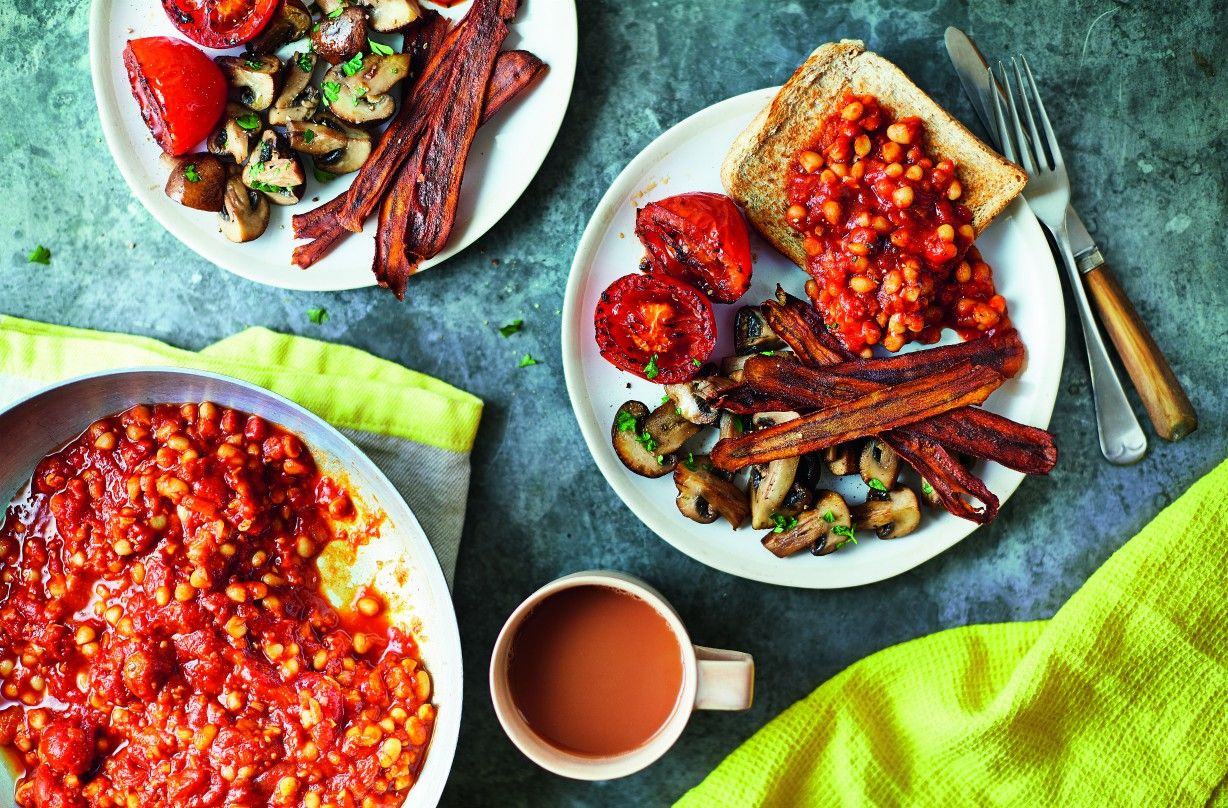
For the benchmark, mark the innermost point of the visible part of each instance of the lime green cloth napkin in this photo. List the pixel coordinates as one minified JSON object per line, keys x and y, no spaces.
{"x":1120,"y":699}
{"x":417,"y":429}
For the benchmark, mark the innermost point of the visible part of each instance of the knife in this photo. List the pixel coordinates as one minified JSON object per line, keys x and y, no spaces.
{"x":1170,"y":410}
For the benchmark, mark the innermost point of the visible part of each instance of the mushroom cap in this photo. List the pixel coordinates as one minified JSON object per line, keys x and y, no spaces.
{"x":253,"y":79}
{"x":297,"y":100}
{"x":635,"y":446}
{"x":890,"y":518}
{"x":813,"y":529}
{"x":245,"y":213}
{"x":392,"y":15}
{"x":197,"y":181}
{"x":230,"y":141}
{"x":696,"y":478}
{"x":290,"y":23}
{"x":879,"y":462}
{"x":338,"y":39}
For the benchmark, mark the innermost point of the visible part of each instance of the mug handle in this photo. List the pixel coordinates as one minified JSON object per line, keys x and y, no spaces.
{"x":726,"y":679}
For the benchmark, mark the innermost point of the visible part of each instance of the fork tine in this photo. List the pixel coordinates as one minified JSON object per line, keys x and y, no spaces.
{"x":1025,"y":153}
{"x":1044,"y":116}
{"x":1024,"y":101}
{"x":1004,"y":134}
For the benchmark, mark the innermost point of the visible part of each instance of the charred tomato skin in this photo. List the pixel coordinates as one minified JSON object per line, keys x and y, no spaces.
{"x":639,"y":317}
{"x":699,"y":238}
{"x":181,"y":92}
{"x":220,"y":23}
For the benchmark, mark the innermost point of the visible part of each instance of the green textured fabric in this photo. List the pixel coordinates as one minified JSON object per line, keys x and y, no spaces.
{"x":1120,"y":699}
{"x":345,"y":386}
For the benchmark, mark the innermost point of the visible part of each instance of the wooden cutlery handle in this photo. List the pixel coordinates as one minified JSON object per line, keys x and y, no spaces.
{"x":1171,"y":412}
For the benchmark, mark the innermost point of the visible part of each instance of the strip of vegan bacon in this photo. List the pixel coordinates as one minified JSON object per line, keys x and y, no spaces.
{"x":951,"y":481}
{"x":968,"y":430}
{"x":515,"y":71}
{"x":871,"y":414}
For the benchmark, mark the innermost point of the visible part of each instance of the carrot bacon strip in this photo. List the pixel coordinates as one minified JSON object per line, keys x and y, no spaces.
{"x":871,"y":414}
{"x":951,"y":481}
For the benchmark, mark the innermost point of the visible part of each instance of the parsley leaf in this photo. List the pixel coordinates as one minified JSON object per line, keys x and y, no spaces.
{"x":336,"y":12}
{"x":190,"y":173}
{"x":665,"y":398}
{"x":331,"y":90}
{"x":309,"y":135}
{"x":783,"y":522}
{"x":767,"y":353}
{"x":646,"y":439}
{"x":690,"y":461}
{"x":660,"y":460}
{"x":249,"y":121}
{"x":39,"y":255}
{"x":318,"y":316}
{"x":927,"y":489}
{"x":625,"y":422}
{"x":304,"y":61}
{"x":353,"y":65}
{"x":254,"y":64}
{"x":677,"y":411}
{"x":527,"y":360}
{"x":829,"y":517}
{"x":846,"y":532}
{"x":697,"y":363}
{"x":379,"y":48}
{"x":268,"y":189}
{"x":322,"y":176}
{"x":650,"y":370}
{"x":877,"y":485}
{"x":511,"y":328}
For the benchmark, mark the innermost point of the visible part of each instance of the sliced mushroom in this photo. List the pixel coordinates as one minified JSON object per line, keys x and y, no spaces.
{"x":245,"y":213}
{"x":815,"y":528}
{"x":340,"y":38}
{"x":361,"y":98}
{"x":197,"y":181}
{"x":297,"y":100}
{"x":252,"y":79}
{"x":732,"y":366}
{"x":694,"y":398}
{"x":893,"y":517}
{"x":770,"y":482}
{"x":337,"y":148}
{"x":392,"y":15}
{"x":274,"y":170}
{"x":730,"y":425}
{"x":841,"y":459}
{"x":810,"y":470}
{"x":635,"y":445}
{"x":928,"y":495}
{"x":669,"y":428}
{"x":290,"y":23}
{"x":752,"y":334}
{"x":798,"y":499}
{"x":879,"y":463}
{"x":233,"y":138}
{"x":702,"y":491}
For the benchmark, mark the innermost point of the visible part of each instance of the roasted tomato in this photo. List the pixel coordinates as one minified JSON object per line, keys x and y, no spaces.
{"x":699,"y":238}
{"x":181,"y":92}
{"x":656,"y":327}
{"x":220,"y":23}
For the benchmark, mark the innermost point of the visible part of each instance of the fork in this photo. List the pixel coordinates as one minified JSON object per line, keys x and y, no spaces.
{"x":1122,"y":440}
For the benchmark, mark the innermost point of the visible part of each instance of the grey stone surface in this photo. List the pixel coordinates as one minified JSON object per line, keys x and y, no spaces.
{"x":1143,"y":127}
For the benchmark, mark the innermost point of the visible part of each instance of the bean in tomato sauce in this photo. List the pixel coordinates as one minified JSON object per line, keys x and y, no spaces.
{"x":164,"y":639}
{"x":887,"y":238}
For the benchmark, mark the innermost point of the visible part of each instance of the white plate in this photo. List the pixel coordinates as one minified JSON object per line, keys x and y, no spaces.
{"x":505,"y":156}
{"x":687,"y":158}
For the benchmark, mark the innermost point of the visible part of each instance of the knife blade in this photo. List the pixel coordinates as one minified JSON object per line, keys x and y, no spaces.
{"x":970,"y":65}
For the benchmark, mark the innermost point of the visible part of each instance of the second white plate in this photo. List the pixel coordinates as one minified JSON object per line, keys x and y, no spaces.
{"x":687,"y":158}
{"x":505,"y":156}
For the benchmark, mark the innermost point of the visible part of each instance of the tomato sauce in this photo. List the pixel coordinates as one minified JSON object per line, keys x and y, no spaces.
{"x":888,"y":241}
{"x":164,"y":639}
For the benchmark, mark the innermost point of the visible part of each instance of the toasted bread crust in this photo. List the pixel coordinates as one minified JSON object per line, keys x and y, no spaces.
{"x":756,"y":168}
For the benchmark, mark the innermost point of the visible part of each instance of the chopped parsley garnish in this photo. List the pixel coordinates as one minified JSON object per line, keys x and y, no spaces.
{"x":660,"y":460}
{"x":690,"y":461}
{"x":697,"y":363}
{"x":360,"y":91}
{"x":336,"y":12}
{"x":249,"y":121}
{"x":331,"y":90}
{"x":647,"y":441}
{"x":738,"y":425}
{"x":309,"y":135}
{"x":783,"y":522}
{"x":190,"y":173}
{"x":379,"y":48}
{"x":254,"y":64}
{"x":304,"y":62}
{"x":318,"y":316}
{"x":651,"y":370}
{"x":678,"y":411}
{"x":846,"y":532}
{"x":876,"y":485}
{"x":39,"y":255}
{"x":526,"y":361}
{"x":269,"y":189}
{"x":322,"y":176}
{"x":665,"y":398}
{"x":767,"y":353}
{"x":829,"y":517}
{"x":625,"y":422}
{"x":353,"y":65}
{"x":927,"y":489}
{"x":511,"y":328}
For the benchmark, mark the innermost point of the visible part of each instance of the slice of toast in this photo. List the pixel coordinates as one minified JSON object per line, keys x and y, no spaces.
{"x":755,"y":171}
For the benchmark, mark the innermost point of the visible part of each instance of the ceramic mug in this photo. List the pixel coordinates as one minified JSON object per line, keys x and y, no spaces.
{"x":712,"y":679}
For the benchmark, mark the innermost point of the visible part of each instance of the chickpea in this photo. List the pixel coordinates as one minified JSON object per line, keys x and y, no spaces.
{"x":914,"y":173}
{"x":893,"y":342}
{"x":105,"y":441}
{"x":899,"y":133}
{"x":852,"y":111}
{"x":828,"y":176}
{"x":892,"y":151}
{"x":858,"y":170}
{"x":832,"y":211}
{"x":954,"y":190}
{"x":839,"y":169}
{"x":862,"y":145}
{"x":892,"y":281}
{"x":963,"y":272}
{"x":796,"y":213}
{"x":810,"y":161}
{"x":946,"y":232}
{"x":369,"y":606}
{"x":902,"y":197}
{"x":861,"y":284}
{"x":812,"y":246}
{"x":894,"y":170}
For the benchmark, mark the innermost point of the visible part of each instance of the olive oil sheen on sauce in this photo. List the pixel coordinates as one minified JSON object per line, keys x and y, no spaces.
{"x":595,"y":671}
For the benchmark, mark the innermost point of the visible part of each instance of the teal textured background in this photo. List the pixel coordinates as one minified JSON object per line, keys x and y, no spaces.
{"x":1143,"y":124}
